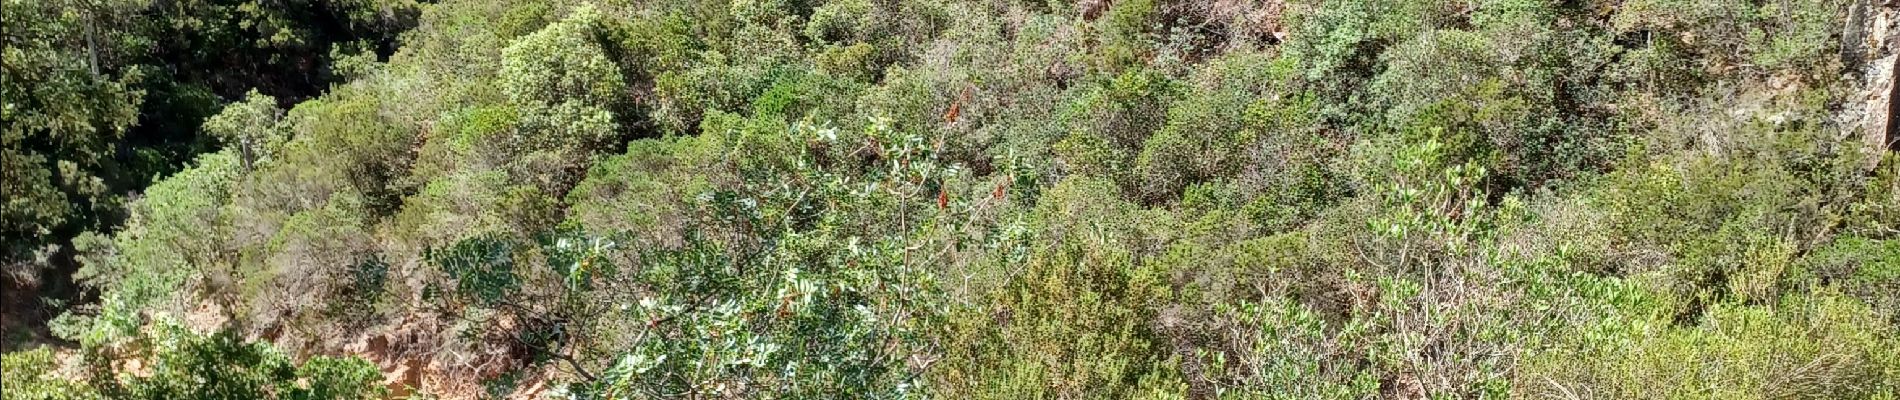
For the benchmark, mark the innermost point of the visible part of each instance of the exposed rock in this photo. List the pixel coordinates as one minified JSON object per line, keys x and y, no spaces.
{"x":1870,"y":36}
{"x":403,"y":380}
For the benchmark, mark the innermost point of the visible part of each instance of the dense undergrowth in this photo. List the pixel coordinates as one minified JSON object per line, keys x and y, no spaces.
{"x":1022,"y":199}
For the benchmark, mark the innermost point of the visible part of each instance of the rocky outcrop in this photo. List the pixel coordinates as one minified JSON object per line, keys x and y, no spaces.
{"x":1867,"y":48}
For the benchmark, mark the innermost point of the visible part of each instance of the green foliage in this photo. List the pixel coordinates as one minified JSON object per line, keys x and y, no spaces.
{"x":279,"y":48}
{"x":1073,"y":317}
{"x":340,"y":146}
{"x":1127,"y":33}
{"x":1287,"y":356}
{"x":1877,"y":213}
{"x":962,"y":199}
{"x":32,"y":374}
{"x":1486,"y":91}
{"x":251,"y":127}
{"x":1707,"y":37}
{"x":1109,"y":124}
{"x":865,"y":37}
{"x":1337,"y":44}
{"x":797,"y":95}
{"x":1293,"y":174}
{"x":174,"y":241}
{"x":104,"y":96}
{"x":70,"y":98}
{"x":482,"y":267}
{"x":1728,"y":230}
{"x":638,"y":192}
{"x":1865,"y":269}
{"x":180,"y":364}
{"x":1819,"y":347}
{"x":813,"y":297}
{"x":221,"y":366}
{"x":1178,"y":154}
{"x":567,"y":88}
{"x":305,"y":262}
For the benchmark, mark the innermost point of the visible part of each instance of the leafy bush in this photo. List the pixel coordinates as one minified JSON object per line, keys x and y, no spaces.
{"x":180,"y":364}
{"x":1706,"y":38}
{"x":1816,"y":347}
{"x":1726,"y":230}
{"x":1109,"y":124}
{"x":172,"y":249}
{"x":66,"y":110}
{"x":1203,"y":139}
{"x":1075,"y":315}
{"x":251,"y":127}
{"x":973,"y":199}
{"x":222,"y":366}
{"x":1864,"y":269}
{"x":33,"y":375}
{"x":568,"y":89}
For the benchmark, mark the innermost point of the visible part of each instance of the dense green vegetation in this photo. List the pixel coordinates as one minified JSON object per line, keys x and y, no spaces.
{"x":103,"y":97}
{"x":1154,"y":199}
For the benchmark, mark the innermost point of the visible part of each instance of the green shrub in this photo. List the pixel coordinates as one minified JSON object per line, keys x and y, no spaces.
{"x":1820,"y":346}
{"x":468,"y":139}
{"x":469,"y":203}
{"x":1108,"y":125}
{"x":1868,"y":270}
{"x":988,"y":199}
{"x":180,"y":364}
{"x":715,"y":84}
{"x":797,"y":95}
{"x":1203,"y":139}
{"x":572,"y":98}
{"x":222,"y":366}
{"x":1128,"y":34}
{"x":1879,"y":207}
{"x":1488,"y":94}
{"x":645,"y":192}
{"x":1291,"y":352}
{"x":173,"y":249}
{"x":340,"y":144}
{"x":1730,"y":224}
{"x":1073,"y":321}
{"x":888,"y":32}
{"x":1704,"y":38}
{"x":1337,"y":44}
{"x":251,"y":127}
{"x":303,"y":263}
{"x":35,"y":375}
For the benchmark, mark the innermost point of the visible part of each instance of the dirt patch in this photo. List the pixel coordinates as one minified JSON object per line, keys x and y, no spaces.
{"x":415,"y":358}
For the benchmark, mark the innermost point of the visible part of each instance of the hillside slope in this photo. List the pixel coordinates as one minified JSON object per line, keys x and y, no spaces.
{"x":1032,"y":199}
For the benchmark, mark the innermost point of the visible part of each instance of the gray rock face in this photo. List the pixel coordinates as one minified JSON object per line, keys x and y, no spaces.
{"x":1867,"y":48}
